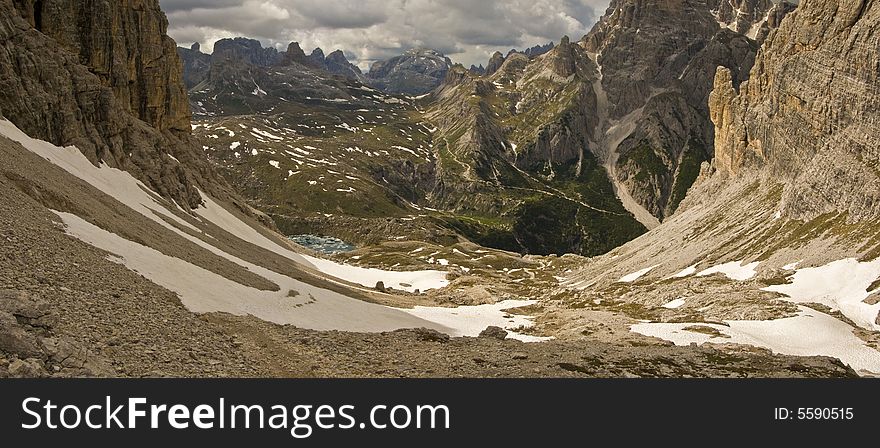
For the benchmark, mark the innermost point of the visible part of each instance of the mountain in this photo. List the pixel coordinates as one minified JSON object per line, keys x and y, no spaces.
{"x":657,"y":61}
{"x":126,"y":252}
{"x":479,"y":71}
{"x":123,"y":105}
{"x":779,"y":234}
{"x":497,"y":59}
{"x":495,"y":63}
{"x":416,"y":72}
{"x":195,"y":64}
{"x":538,"y":50}
{"x":601,"y":139}
{"x":335,"y":63}
{"x":515,"y":168}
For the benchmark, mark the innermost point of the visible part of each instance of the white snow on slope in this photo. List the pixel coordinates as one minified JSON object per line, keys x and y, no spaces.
{"x":368,"y":277}
{"x":636,"y":275}
{"x":687,"y":272}
{"x":203,"y":291}
{"x":734,"y":270}
{"x":675,"y":304}
{"x":116,"y":183}
{"x":131,"y":192}
{"x":471,"y":320}
{"x":402,"y":280}
{"x":811,"y":333}
{"x":842,"y":285}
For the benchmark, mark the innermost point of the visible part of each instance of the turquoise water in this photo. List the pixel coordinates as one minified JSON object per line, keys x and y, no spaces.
{"x":323,"y":244}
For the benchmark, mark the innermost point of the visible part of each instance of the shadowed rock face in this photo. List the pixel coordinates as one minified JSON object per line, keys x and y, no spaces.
{"x":416,"y":72}
{"x":495,"y":63}
{"x":809,"y":113}
{"x":658,"y":59}
{"x":105,"y":77}
{"x":195,"y":65}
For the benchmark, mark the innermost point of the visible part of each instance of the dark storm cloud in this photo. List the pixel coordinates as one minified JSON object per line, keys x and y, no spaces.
{"x":469,"y":31}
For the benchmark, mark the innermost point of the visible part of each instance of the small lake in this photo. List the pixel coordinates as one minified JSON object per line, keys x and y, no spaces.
{"x":324,"y":244}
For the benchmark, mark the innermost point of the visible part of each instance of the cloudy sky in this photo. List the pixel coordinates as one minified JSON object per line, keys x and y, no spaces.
{"x":468,"y":31}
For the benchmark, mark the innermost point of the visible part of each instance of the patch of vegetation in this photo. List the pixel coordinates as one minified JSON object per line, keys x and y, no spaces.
{"x":485,"y":231}
{"x":646,"y":159}
{"x":688,"y":171}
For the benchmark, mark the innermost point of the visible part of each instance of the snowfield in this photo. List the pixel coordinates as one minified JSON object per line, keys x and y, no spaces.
{"x":841,"y":285}
{"x":735,"y":270}
{"x":636,"y":275}
{"x":471,"y":320}
{"x":203,"y":291}
{"x":811,"y":333}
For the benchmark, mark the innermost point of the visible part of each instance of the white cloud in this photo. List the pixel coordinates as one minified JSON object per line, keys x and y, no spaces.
{"x":468,"y":31}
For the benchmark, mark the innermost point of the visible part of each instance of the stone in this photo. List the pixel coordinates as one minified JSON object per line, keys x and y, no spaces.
{"x":106,"y":78}
{"x":818,"y":144}
{"x":28,"y":368}
{"x":428,"y":335}
{"x":494,"y":333}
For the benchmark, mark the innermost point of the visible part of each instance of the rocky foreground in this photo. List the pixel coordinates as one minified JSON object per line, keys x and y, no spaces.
{"x":67,"y":310}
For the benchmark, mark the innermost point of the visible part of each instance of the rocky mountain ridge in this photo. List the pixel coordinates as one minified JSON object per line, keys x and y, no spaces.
{"x":416,"y":72}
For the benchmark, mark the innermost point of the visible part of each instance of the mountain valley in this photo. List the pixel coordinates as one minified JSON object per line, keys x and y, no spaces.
{"x":690,"y":190}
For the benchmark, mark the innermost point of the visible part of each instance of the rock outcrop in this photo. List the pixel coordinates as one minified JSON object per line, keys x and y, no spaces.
{"x":29,"y":340}
{"x":105,"y":77}
{"x":495,"y":63}
{"x":809,"y":113}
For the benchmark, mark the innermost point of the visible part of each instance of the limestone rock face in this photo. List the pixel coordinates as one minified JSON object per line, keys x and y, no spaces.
{"x":564,"y":63}
{"x":138,"y":62}
{"x":105,"y":77}
{"x":294,"y":55}
{"x":249,"y":51}
{"x":658,"y":59}
{"x":809,"y":114}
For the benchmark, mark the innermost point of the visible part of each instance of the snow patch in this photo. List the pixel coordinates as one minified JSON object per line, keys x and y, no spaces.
{"x":687,"y":272}
{"x":675,"y":304}
{"x":470,"y":321}
{"x":842,"y":285}
{"x":403,"y":280}
{"x":734,"y":270}
{"x":811,"y":333}
{"x":636,"y":275}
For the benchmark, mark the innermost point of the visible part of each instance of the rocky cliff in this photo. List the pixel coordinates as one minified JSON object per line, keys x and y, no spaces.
{"x":809,"y":113}
{"x":105,"y":77}
{"x":786,"y":215}
{"x":657,"y":61}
